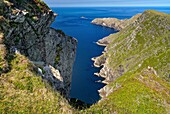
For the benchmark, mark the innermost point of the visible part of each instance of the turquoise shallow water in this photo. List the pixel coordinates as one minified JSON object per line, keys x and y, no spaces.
{"x":84,"y":85}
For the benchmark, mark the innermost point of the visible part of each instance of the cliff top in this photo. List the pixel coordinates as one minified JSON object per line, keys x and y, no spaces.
{"x":154,"y":12}
{"x":34,"y":7}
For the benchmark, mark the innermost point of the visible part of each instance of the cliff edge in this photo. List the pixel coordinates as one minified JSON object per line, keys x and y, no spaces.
{"x":25,"y":30}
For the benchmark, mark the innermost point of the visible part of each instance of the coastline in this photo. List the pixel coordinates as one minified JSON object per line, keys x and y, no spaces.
{"x":100,"y":61}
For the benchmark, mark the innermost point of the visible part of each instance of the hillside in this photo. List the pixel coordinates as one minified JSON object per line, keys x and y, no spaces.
{"x":22,"y":90}
{"x":136,"y":67}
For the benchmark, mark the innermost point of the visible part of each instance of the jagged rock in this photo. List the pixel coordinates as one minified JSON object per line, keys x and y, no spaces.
{"x":99,"y":61}
{"x":105,"y":91}
{"x":20,"y":18}
{"x":54,"y":77}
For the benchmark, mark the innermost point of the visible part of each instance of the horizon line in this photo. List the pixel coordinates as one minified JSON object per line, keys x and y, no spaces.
{"x":107,"y":6}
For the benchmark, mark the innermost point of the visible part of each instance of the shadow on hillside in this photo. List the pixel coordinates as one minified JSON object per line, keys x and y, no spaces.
{"x":78,"y":104}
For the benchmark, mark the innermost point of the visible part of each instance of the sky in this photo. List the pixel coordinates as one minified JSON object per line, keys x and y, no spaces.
{"x":86,"y":3}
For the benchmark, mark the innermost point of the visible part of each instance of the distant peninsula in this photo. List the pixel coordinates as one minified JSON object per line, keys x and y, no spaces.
{"x":115,"y":23}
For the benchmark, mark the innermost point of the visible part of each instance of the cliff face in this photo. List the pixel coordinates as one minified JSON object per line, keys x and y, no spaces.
{"x":25,"y":25}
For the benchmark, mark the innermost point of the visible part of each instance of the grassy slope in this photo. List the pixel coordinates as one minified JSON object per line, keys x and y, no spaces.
{"x":147,"y":44}
{"x":23,"y":91}
{"x":140,"y":90}
{"x":140,"y":93}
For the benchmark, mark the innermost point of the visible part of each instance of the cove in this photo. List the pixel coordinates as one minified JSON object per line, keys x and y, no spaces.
{"x":84,"y":86}
{"x":75,"y":22}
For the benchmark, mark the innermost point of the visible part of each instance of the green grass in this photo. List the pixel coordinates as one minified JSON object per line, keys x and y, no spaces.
{"x":23,"y":91}
{"x":140,"y":93}
{"x":133,"y":45}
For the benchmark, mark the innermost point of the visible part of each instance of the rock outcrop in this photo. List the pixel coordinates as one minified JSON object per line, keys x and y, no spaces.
{"x":115,"y":23}
{"x":25,"y":25}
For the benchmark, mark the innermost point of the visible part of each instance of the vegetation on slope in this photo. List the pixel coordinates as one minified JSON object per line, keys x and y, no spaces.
{"x":143,"y":44}
{"x":23,"y":91}
{"x":143,"y":50}
{"x":115,"y":23}
{"x":139,"y":93}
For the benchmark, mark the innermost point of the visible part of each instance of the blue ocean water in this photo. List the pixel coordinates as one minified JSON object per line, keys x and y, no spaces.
{"x":84,"y":86}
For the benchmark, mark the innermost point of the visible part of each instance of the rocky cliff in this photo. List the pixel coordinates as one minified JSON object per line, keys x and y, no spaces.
{"x":25,"y":29}
{"x":115,"y":23}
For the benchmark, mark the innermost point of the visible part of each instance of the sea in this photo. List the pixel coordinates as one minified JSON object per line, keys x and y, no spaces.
{"x":76,"y":22}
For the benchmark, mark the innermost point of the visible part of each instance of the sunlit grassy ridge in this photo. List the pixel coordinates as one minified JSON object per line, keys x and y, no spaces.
{"x":145,"y":43}
{"x":140,"y":93}
{"x":139,"y":47}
